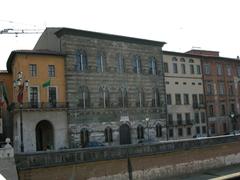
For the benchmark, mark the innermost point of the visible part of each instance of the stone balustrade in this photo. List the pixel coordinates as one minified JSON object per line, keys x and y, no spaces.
{"x":83,"y":155}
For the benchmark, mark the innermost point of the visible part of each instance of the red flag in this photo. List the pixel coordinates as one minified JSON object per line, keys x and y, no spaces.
{"x":1,"y":101}
{"x":20,"y":94}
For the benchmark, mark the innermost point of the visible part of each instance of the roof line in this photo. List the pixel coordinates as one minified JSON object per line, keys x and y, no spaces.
{"x":105,"y":36}
{"x":29,"y":52}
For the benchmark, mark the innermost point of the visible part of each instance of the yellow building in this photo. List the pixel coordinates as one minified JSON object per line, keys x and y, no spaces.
{"x":39,"y":118}
{"x":38,"y":67}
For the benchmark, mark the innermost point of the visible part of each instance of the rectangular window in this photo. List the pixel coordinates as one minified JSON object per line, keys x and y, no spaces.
{"x":223,"y":111}
{"x":224,"y":127}
{"x":198,"y":69}
{"x":33,"y":70}
{"x":195,"y":100}
{"x":219,"y":70}
{"x":169,"y":99}
{"x":229,"y":70}
{"x":171,"y":133}
{"x":175,"y":68}
{"x":52,"y":96}
{"x":188,"y":119}
{"x":180,"y":132}
{"x":232,"y":107}
{"x":178,"y":99}
{"x":189,"y":131}
{"x":196,"y":116}
{"x":201,"y":99}
{"x":204,"y":130}
{"x":165,"y":65}
{"x":238,"y":70}
{"x":191,"y":69}
{"x":51,"y":71}
{"x":183,"y":68}
{"x":221,"y":88}
{"x":212,"y":128}
{"x":231,"y":89}
{"x":207,"y":69}
{"x":198,"y":130}
{"x":203,"y":117}
{"x":34,"y":97}
{"x":210,"y":110}
{"x":186,"y":99}
{"x":170,"y":120}
{"x":179,"y":118}
{"x":209,"y":88}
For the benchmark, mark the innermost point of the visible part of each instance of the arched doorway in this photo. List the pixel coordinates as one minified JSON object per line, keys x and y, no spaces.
{"x":125,"y":136}
{"x":44,"y":136}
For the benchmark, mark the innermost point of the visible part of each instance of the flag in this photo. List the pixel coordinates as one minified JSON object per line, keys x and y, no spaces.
{"x":46,"y":84}
{"x":20,"y":94}
{"x":1,"y":96}
{"x":4,"y":92}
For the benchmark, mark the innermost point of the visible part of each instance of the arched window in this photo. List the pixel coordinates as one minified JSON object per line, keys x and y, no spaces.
{"x":84,"y":136}
{"x":140,"y":98}
{"x":137,"y":66}
{"x":140,"y":132}
{"x":123,"y":98}
{"x":84,"y":97}
{"x":155,"y":98}
{"x":120,"y":63}
{"x":81,"y":60}
{"x":158,"y":130}
{"x":101,"y":62}
{"x":104,"y":98}
{"x":152,"y":66}
{"x":108,"y":134}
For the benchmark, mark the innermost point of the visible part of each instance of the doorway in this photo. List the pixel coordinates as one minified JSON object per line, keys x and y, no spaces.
{"x":44,"y":136}
{"x":125,"y":136}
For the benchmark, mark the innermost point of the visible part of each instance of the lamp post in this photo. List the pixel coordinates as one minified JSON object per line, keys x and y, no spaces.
{"x":234,"y":120}
{"x":147,"y":120}
{"x":20,"y":84}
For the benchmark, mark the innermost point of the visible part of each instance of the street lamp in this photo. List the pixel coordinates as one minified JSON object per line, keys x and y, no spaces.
{"x":147,"y":120}
{"x":233,"y":117}
{"x":20,"y":84}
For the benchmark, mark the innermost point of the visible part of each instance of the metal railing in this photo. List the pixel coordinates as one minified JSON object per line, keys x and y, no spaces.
{"x":42,"y":105}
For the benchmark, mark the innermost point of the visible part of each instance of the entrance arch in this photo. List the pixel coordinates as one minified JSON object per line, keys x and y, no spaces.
{"x":44,"y":136}
{"x":125,"y":136}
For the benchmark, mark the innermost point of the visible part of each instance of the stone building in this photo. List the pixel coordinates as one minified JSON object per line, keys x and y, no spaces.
{"x":221,"y":78}
{"x":39,"y":112}
{"x":185,"y":95}
{"x":114,"y":86}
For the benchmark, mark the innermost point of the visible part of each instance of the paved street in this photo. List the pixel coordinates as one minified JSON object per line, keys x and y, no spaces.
{"x":209,"y":174}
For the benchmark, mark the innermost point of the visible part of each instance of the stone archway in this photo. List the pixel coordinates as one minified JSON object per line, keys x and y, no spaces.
{"x":44,"y":136}
{"x":125,"y":134}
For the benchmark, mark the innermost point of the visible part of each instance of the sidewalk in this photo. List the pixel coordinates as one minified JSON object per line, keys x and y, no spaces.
{"x":209,"y":174}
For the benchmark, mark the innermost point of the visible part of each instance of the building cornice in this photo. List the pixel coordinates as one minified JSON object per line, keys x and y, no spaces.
{"x":104,"y":36}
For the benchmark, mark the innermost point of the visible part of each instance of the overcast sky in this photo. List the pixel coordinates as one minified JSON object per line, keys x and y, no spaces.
{"x":182,"y":24}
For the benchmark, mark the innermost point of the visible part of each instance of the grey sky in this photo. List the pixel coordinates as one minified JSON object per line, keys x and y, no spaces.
{"x":183,"y":24}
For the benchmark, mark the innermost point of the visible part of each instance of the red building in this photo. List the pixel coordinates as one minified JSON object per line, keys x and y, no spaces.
{"x":221,"y":80}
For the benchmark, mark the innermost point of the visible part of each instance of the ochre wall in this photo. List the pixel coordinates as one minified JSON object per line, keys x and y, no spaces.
{"x":145,"y":167}
{"x":21,"y":64}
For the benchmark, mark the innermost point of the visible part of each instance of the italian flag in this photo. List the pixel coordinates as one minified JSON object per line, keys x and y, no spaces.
{"x":46,"y":84}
